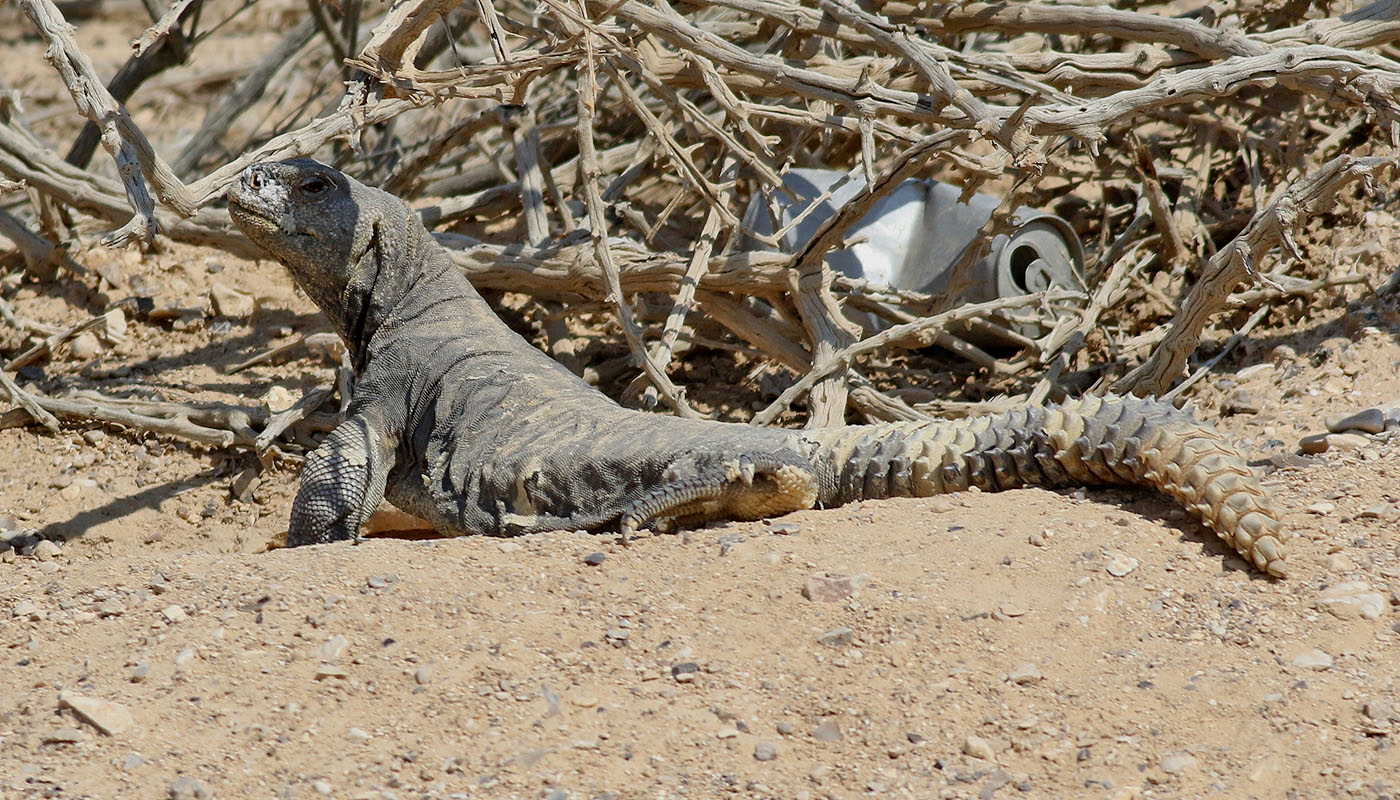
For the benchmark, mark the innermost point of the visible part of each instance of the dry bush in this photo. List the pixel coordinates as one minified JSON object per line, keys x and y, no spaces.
{"x":601,"y":155}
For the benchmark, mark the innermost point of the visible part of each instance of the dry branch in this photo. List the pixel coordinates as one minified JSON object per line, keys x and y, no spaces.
{"x":639,"y":116}
{"x":99,"y":107}
{"x":918,"y":333}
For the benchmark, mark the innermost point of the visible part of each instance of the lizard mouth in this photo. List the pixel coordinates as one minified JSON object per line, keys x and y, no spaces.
{"x":242,"y":210}
{"x":252,"y":214}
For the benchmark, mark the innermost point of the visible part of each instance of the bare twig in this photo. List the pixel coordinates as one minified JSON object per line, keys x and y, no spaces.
{"x":919,"y":332}
{"x":1204,"y":370}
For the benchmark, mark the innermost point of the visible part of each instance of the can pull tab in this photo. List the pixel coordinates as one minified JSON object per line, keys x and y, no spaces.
{"x":1030,"y":272}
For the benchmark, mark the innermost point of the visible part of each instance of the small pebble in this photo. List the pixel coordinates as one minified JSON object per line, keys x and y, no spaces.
{"x":229,"y":302}
{"x":104,"y":715}
{"x":1243,"y":401}
{"x":63,"y":736}
{"x":1367,"y":420}
{"x":174,"y":614}
{"x":279,"y":399}
{"x":45,"y":550}
{"x":184,"y":657}
{"x":333,"y":648}
{"x":1312,"y":659}
{"x":25,"y":608}
{"x":1352,"y":599}
{"x":828,"y":730}
{"x":1343,"y":442}
{"x":1177,"y":764}
{"x":827,"y":587}
{"x":1313,"y":444}
{"x":356,"y":735}
{"x":1379,"y":511}
{"x":509,"y":547}
{"x":1252,"y":370}
{"x":977,"y":747}
{"x":1338,"y":562}
{"x":422,"y":675}
{"x":1012,"y":608}
{"x":382,"y":581}
{"x":132,"y":761}
{"x":1025,"y":674}
{"x":594,"y":559}
{"x":85,"y":346}
{"x":837,"y":637}
{"x":321,"y":787}
{"x":765,"y":750}
{"x":940,"y":505}
{"x":187,"y":788}
{"x":1379,"y":710}
{"x":1321,"y":509}
{"x":1119,"y":566}
{"x":685,"y":672}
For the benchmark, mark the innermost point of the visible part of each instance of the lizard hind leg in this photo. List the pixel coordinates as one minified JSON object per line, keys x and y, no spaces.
{"x":748,"y":487}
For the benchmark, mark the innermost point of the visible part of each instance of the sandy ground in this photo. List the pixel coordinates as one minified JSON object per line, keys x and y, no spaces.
{"x":1034,"y":643}
{"x":1096,"y":644}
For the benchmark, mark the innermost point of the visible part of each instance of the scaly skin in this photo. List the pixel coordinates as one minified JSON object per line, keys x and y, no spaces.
{"x":460,"y":421}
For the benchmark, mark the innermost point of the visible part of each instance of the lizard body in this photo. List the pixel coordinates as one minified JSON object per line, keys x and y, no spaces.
{"x":459,"y":420}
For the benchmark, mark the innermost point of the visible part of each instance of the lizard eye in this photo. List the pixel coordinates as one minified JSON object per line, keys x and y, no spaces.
{"x":314,"y":185}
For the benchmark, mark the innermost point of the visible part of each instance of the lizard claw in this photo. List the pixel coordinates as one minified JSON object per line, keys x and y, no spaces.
{"x":746,"y":470}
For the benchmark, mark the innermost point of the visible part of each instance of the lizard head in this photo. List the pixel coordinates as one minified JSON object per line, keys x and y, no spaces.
{"x":305,"y":214}
{"x":329,"y":230}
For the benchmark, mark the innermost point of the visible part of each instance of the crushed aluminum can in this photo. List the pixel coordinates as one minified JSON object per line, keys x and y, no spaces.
{"x":914,"y":236}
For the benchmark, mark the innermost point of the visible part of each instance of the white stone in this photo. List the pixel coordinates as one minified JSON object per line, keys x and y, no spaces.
{"x":1122,"y":565}
{"x":1352,"y":599}
{"x":333,"y":648}
{"x":1025,"y":674}
{"x":1312,"y":659}
{"x":977,"y":747}
{"x":109,"y":717}
{"x":229,"y":302}
{"x":1177,"y":764}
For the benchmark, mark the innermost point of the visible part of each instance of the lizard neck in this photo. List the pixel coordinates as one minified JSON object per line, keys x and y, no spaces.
{"x":388,"y":264}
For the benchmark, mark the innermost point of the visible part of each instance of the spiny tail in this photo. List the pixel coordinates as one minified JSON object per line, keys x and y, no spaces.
{"x":1091,"y":441}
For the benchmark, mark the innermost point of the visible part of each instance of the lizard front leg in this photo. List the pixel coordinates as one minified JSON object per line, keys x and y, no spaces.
{"x":342,"y":483}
